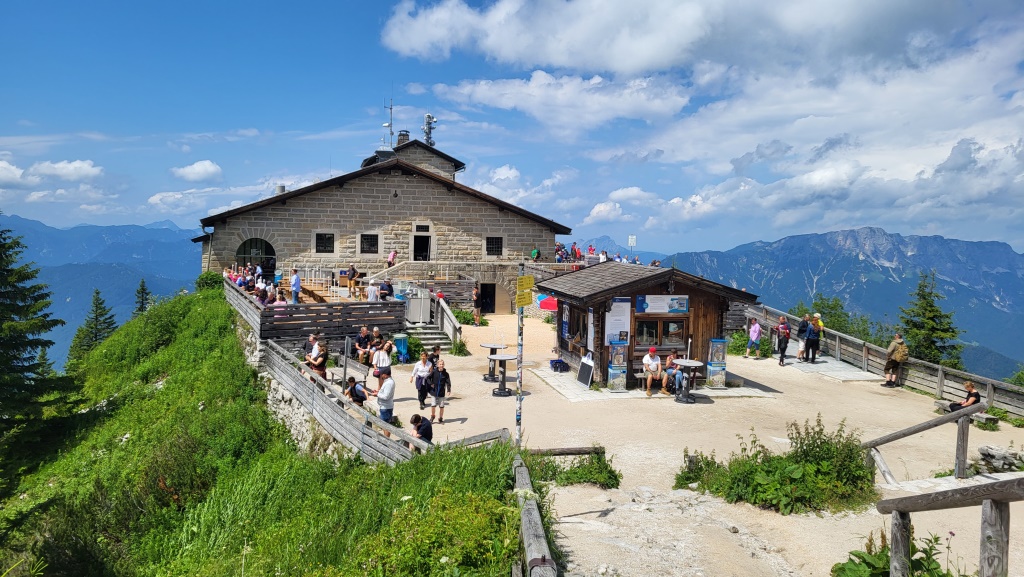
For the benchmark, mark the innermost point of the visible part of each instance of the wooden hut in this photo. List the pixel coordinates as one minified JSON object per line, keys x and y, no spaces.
{"x":640,"y":305}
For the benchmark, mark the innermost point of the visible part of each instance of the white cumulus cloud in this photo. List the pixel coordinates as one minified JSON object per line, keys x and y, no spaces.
{"x":198,"y":171}
{"x":67,"y":170}
{"x":606,"y":212}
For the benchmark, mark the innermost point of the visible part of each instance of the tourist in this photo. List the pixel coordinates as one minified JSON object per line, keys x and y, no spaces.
{"x":477,"y":304}
{"x":755,"y":338}
{"x":591,"y":250}
{"x":422,"y":429}
{"x":391,"y":258}
{"x":352,"y":275}
{"x":382,"y":357}
{"x":420,"y":372}
{"x":896,"y":353}
{"x":385,"y":394}
{"x":534,"y":254}
{"x":618,"y":257}
{"x":362,"y":344}
{"x":296,"y":286}
{"x":376,"y":340}
{"x":652,"y":368}
{"x":440,"y":384}
{"x":783,"y":331}
{"x":356,"y":391}
{"x":317,"y":358}
{"x":435,"y":355}
{"x":973,"y":397}
{"x":815,"y":329}
{"x":801,"y":339}
{"x":675,"y":373}
{"x":386,"y":290}
{"x":603,"y":257}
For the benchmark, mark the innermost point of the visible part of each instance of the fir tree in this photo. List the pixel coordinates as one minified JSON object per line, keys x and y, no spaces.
{"x":142,"y":297}
{"x":23,"y":322}
{"x":99,"y":324}
{"x":928,"y":330}
{"x":45,"y":364}
{"x":1018,"y":377}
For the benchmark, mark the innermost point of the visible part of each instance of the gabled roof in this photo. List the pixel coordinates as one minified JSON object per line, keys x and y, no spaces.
{"x":201,"y":238}
{"x":608,"y":279}
{"x":387,"y":154}
{"x":395,"y":163}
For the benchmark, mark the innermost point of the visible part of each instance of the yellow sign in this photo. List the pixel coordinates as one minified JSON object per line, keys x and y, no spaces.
{"x":524,"y":282}
{"x":524,"y":298}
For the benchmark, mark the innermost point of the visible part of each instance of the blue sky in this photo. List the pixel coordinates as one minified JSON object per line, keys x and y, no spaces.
{"x":692,"y":124}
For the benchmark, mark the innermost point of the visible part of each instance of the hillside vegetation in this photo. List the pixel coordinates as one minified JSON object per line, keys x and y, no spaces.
{"x":177,"y":468}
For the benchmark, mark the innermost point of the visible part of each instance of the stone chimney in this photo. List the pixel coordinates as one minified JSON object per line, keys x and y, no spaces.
{"x":279,"y":189}
{"x":403,"y":137}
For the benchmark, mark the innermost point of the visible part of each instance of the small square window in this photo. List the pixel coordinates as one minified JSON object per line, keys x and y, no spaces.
{"x":369,"y":244}
{"x":495,"y":246}
{"x":324,"y":242}
{"x":422,"y":228}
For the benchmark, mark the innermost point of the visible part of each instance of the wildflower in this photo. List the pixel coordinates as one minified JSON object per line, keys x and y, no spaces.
{"x":406,"y":498}
{"x":444,"y":559}
{"x":952,"y":534}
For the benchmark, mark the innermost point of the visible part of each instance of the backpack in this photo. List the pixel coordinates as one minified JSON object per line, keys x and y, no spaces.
{"x":901,"y":354}
{"x":785,"y":331}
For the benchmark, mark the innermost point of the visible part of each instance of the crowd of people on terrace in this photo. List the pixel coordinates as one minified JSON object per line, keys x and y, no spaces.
{"x":576,"y":253}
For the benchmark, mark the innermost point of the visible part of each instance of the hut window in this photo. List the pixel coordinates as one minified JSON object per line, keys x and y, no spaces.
{"x":495,"y":245}
{"x":647,"y":333}
{"x":673,"y":333}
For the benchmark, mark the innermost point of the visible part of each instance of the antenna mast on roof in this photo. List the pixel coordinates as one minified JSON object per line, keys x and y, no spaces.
{"x":390,"y":124}
{"x":428,"y":128}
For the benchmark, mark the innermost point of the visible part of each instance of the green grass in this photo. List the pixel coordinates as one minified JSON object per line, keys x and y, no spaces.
{"x":594,"y":468}
{"x":184,"y":472}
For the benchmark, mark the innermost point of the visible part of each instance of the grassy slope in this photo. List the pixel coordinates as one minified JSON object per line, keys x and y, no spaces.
{"x":192,"y":476}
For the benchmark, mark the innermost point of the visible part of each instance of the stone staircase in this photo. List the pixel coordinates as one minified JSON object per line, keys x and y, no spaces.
{"x":429,"y":335}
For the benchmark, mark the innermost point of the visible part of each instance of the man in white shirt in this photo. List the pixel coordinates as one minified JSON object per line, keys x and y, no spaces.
{"x":385,"y":397}
{"x":653,"y":370}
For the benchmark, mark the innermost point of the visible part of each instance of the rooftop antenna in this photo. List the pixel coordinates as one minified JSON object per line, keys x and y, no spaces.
{"x":428,"y":128}
{"x":390,"y":124}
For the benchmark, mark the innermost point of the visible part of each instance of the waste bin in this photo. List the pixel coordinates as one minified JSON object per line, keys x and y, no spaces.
{"x":278,"y":275}
{"x":401,"y":341}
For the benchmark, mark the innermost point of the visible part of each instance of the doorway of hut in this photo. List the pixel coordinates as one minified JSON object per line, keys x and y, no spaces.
{"x":421,"y":247}
{"x":487,"y":292}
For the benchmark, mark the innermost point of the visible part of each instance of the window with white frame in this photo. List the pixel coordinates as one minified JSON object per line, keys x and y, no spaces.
{"x":494,"y":246}
{"x":369,"y":243}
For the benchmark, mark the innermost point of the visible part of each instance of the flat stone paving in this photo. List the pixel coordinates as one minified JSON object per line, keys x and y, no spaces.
{"x":831,"y":368}
{"x":945,"y":483}
{"x":567,"y":386}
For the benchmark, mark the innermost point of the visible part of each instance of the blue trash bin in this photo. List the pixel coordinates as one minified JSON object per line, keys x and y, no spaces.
{"x":401,"y":341}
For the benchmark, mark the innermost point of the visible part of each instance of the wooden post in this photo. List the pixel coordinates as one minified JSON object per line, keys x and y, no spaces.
{"x":344,"y":356}
{"x":899,"y":545}
{"x":995,"y":539}
{"x":990,"y":396}
{"x":864,"y":357}
{"x":940,"y":383}
{"x":839,"y":350}
{"x":869,"y":462}
{"x":963,"y":426}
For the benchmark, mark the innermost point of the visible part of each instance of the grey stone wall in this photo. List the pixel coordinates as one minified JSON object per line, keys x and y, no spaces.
{"x":425,"y":159}
{"x":458,"y":225}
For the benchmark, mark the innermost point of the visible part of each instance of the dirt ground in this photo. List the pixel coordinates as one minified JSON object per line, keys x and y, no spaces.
{"x":645,"y":527}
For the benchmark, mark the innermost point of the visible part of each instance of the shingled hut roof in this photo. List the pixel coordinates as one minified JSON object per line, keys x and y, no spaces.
{"x":608,"y":279}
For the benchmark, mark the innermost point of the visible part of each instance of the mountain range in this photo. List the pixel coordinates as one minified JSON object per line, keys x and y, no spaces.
{"x":74,"y":261}
{"x":873,"y":272}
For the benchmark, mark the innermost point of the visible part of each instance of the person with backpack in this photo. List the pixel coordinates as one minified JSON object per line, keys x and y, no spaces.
{"x":356,"y":391}
{"x":815,"y":330}
{"x":897,"y":353}
{"x":783,"y":331}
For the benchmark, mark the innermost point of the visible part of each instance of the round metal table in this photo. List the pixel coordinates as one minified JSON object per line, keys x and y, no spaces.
{"x":501,"y":391}
{"x":683,"y":394}
{"x":492,"y":350}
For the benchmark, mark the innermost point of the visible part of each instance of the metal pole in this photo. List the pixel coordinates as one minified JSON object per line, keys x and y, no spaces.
{"x":519,"y":368}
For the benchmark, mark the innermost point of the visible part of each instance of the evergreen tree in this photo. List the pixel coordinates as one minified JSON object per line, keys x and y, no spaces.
{"x":142,"y":296}
{"x":99,"y":324}
{"x":45,"y":364}
{"x":928,"y":330}
{"x":1018,"y":377}
{"x":23,"y":322}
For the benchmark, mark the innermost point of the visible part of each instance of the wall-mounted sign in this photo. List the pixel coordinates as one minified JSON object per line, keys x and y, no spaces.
{"x":662,"y":304}
{"x":616,"y":321}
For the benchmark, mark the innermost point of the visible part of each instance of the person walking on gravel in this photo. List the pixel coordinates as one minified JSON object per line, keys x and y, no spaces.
{"x":896,"y":354}
{"x":783,"y":331}
{"x":440,"y":384}
{"x":755,"y":338}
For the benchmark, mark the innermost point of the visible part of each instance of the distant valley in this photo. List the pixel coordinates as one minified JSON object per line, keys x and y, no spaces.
{"x":113,"y":259}
{"x":873,"y":272}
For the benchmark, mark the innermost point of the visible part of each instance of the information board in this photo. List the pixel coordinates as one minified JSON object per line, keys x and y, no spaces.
{"x":662,"y":304}
{"x":586,"y":374}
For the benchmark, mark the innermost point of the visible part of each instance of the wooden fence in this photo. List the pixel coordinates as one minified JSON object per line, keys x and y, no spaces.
{"x":537,"y":554}
{"x":333,"y":320}
{"x":941,"y":382}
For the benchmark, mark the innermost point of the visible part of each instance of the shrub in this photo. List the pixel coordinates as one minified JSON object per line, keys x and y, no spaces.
{"x":415,"y":349}
{"x":738,"y":345}
{"x":459,"y":348}
{"x":822,"y":471}
{"x":466,"y":317}
{"x":549,"y":319}
{"x":594,"y":468}
{"x":873,"y":561}
{"x":209,"y":280}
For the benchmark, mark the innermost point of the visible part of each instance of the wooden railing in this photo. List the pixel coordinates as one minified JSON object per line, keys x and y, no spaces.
{"x":994,"y":498}
{"x":445,"y":319}
{"x":537,"y":554}
{"x":942,"y":382}
{"x":873,"y":458}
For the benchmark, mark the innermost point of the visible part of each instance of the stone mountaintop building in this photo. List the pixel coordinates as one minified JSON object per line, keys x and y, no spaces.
{"x":404,"y":199}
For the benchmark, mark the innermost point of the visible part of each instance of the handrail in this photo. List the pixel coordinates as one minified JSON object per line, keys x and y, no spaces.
{"x":497,"y":435}
{"x":768,"y":313}
{"x":531,"y":527}
{"x":446,"y":321}
{"x":921,"y":427}
{"x":1008,"y":490}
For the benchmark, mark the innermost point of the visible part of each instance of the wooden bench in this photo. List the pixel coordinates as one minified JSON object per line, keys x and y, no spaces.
{"x":976,"y":417}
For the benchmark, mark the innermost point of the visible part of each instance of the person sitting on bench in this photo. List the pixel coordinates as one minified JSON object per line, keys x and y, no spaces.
{"x":653,"y":370}
{"x":973,"y":397}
